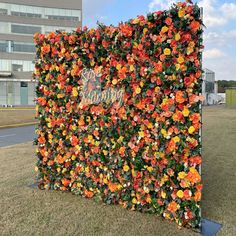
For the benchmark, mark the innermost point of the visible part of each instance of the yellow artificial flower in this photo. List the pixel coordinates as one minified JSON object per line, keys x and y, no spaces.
{"x":145,"y":30}
{"x":163,"y":194}
{"x":141,"y":134}
{"x":191,"y":129}
{"x":118,"y":67}
{"x":180,"y":194}
{"x":138,"y":90}
{"x":185,"y":112}
{"x":177,"y":66}
{"x":136,"y":21}
{"x":180,"y":60}
{"x":131,"y":68}
{"x":60,"y":95}
{"x":177,"y":37}
{"x":90,"y":137}
{"x":164,"y":29}
{"x":150,"y":168}
{"x":164,"y":133}
{"x":114,"y":81}
{"x":126,"y":168}
{"x":75,"y":92}
{"x":181,"y":13}
{"x":176,"y":139}
{"x":134,"y":200}
{"x":182,"y":175}
{"x":167,"y":51}
{"x":105,"y":152}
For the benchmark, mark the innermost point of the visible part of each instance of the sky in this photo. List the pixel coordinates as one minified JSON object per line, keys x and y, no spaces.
{"x":219,"y":18}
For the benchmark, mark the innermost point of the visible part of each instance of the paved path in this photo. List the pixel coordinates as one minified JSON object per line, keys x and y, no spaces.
{"x":11,"y":136}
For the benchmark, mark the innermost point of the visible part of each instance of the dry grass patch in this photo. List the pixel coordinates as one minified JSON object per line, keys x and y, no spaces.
{"x":16,"y":116}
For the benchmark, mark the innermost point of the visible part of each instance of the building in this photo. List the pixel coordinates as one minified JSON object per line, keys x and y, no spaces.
{"x":19,"y":21}
{"x":209,"y":88}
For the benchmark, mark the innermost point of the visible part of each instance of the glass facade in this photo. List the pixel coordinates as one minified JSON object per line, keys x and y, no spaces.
{"x":13,"y":46}
{"x":25,"y":29}
{"x":16,"y":88}
{"x":40,"y":12}
{"x":16,"y":65}
{"x":23,"y":47}
{"x":3,"y":46}
{"x":4,"y":27}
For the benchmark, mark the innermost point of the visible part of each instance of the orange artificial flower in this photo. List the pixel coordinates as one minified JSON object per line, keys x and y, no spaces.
{"x":193,"y":176}
{"x":168,"y":21}
{"x":41,"y":140}
{"x":114,"y":187}
{"x":197,"y":196}
{"x":66,"y":182}
{"x":122,"y":151}
{"x":126,"y":30}
{"x":74,"y":140}
{"x":88,"y":194}
{"x":45,"y":49}
{"x":195,"y":25}
{"x":173,"y":207}
{"x":179,"y":97}
{"x":121,"y":112}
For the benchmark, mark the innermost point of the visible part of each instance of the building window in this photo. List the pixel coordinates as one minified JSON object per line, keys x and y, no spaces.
{"x":40,"y":12}
{"x":4,"y":27}
{"x":24,"y":14}
{"x":25,"y":29}
{"x":69,"y":18}
{"x":5,"y":65}
{"x":3,"y":11}
{"x":210,"y":87}
{"x":23,"y":84}
{"x":3,"y":46}
{"x":23,"y":47}
{"x":16,"y":67}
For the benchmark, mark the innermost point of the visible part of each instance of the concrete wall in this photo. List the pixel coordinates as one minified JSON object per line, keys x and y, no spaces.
{"x":3,"y":92}
{"x":10,"y":93}
{"x":31,"y":93}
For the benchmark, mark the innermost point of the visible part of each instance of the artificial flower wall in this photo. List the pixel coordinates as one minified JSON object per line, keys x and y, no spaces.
{"x":144,"y":151}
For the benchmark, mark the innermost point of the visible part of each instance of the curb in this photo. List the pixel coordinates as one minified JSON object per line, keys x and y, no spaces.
{"x":18,"y":125}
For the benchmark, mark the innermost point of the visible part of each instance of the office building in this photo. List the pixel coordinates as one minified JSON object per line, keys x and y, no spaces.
{"x":19,"y":21}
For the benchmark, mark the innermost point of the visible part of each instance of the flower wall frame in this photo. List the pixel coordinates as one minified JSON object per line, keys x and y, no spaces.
{"x":145,"y":152}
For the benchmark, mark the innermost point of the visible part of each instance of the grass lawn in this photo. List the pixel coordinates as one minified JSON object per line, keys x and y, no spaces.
{"x":28,"y":211}
{"x":15,"y":116}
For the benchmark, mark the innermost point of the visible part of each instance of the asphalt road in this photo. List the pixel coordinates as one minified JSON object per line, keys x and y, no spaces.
{"x":11,"y":136}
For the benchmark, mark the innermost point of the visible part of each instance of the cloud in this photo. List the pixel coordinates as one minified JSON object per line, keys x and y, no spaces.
{"x":224,"y":69}
{"x":156,"y":5}
{"x":212,"y":15}
{"x":213,"y":53}
{"x":93,"y":11}
{"x":215,"y":15}
{"x":229,"y":10}
{"x":225,"y":38}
